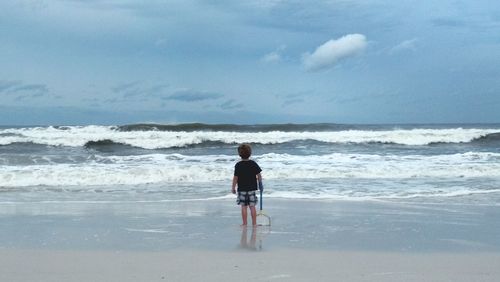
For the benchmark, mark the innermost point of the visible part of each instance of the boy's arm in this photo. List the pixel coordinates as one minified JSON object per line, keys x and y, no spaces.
{"x":259,"y":180}
{"x":235,"y":181}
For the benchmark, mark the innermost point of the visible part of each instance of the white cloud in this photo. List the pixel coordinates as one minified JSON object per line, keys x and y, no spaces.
{"x":271,"y":57}
{"x":274,"y":56}
{"x":410,"y":45}
{"x":332,"y":51}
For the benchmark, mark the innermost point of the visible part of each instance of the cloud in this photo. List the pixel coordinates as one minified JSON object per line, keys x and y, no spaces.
{"x":292,"y":101}
{"x":192,"y":96}
{"x":274,"y":56}
{"x":24,"y":90}
{"x":448,"y":22}
{"x":157,"y":93}
{"x":301,"y":97}
{"x":5,"y":85}
{"x":32,"y":88}
{"x":407,"y":45}
{"x":125,"y":86}
{"x":19,"y":91}
{"x":328,"y":54}
{"x":231,"y":104}
{"x":136,"y":88}
{"x":28,"y":96}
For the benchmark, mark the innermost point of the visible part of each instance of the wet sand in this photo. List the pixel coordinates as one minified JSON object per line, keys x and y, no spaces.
{"x":202,"y":241}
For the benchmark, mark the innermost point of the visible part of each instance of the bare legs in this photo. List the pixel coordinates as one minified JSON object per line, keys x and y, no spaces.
{"x":253,"y":213}
{"x":244,"y":215}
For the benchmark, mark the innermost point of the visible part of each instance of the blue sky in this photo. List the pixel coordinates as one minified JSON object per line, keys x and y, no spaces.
{"x":370,"y":61}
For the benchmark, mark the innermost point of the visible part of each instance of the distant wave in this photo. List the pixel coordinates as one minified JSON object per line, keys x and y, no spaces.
{"x":289,"y":127}
{"x":98,"y":136}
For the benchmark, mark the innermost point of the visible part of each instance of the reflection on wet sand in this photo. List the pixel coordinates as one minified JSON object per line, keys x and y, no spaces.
{"x":255,"y":241}
{"x":248,"y":244}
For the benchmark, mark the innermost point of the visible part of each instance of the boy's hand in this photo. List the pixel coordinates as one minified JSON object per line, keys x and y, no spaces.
{"x":233,"y":190}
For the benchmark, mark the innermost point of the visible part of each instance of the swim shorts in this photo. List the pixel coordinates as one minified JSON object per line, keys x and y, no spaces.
{"x":247,"y":198}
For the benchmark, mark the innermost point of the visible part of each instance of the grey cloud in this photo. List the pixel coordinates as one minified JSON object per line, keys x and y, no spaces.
{"x":286,"y":15}
{"x":192,"y":96}
{"x":154,"y":90}
{"x":448,"y":22}
{"x":133,"y":89}
{"x":125,"y":86}
{"x":145,"y":9}
{"x":298,"y":94}
{"x":112,"y":100}
{"x":289,"y":102}
{"x":358,"y":99}
{"x":5,"y":85}
{"x":91,"y":100}
{"x":341,"y":100}
{"x":28,"y":96}
{"x":296,"y":98}
{"x":37,"y":88}
{"x":231,"y":104}
{"x":474,"y":23}
{"x":24,"y":90}
{"x":139,"y":91}
{"x":304,"y":17}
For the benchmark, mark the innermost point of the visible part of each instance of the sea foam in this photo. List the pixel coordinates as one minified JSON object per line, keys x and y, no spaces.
{"x":178,"y":168}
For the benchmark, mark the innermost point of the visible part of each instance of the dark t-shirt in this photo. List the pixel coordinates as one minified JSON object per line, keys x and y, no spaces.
{"x":246,"y":172}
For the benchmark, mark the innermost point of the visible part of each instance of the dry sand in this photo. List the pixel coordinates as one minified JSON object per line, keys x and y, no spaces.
{"x":244,"y":265}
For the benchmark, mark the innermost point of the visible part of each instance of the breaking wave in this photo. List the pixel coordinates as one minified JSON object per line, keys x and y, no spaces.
{"x":178,"y":136}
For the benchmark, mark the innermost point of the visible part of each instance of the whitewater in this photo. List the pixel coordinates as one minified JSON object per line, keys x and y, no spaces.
{"x":153,"y":162}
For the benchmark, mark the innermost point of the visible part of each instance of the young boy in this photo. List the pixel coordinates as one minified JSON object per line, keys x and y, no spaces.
{"x":246,"y":175}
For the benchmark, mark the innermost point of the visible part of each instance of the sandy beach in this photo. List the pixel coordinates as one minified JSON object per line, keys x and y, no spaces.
{"x":202,"y":241}
{"x":277,"y":265}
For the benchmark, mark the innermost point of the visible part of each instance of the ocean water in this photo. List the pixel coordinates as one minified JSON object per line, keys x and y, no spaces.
{"x":194,"y":162}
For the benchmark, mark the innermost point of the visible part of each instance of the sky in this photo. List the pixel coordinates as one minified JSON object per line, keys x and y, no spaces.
{"x":342,"y":61}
